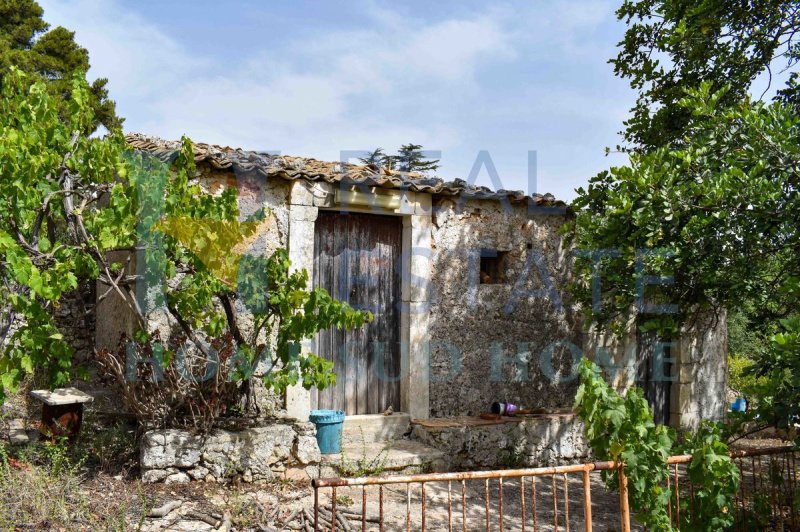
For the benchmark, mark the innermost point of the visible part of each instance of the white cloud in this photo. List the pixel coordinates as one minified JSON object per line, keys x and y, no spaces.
{"x":138,"y":59}
{"x":401,"y":78}
{"x":161,"y":86}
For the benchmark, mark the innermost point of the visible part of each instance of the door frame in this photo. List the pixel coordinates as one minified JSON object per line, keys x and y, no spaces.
{"x":362,"y":366}
{"x":306,"y":199}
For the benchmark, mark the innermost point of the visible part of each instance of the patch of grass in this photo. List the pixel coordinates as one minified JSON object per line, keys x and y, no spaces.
{"x":345,"y":500}
{"x":53,"y":497}
{"x":52,"y":484}
{"x":364,"y":465}
{"x":245,"y":512}
{"x":101,"y":448}
{"x":109,"y":448}
{"x":54,"y":457}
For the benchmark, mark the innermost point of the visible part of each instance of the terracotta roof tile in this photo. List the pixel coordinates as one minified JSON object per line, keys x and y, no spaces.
{"x":292,"y":168}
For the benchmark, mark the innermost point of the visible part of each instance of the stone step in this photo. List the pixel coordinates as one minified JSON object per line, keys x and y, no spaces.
{"x":373,"y":428}
{"x":372,"y":458}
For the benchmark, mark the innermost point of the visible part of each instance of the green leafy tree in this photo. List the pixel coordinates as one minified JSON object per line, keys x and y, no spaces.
{"x":70,"y":199}
{"x":375,"y":159}
{"x":51,"y":176}
{"x":671,"y":46}
{"x":748,"y":338}
{"x":51,"y":55}
{"x":710,"y":197}
{"x":411,"y":158}
{"x":778,"y":370}
{"x":720,"y":216}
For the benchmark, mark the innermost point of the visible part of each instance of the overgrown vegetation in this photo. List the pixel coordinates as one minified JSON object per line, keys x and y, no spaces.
{"x":748,"y":338}
{"x":71,"y":199}
{"x":670,"y":46}
{"x":718,"y":218}
{"x":363,"y":464}
{"x":704,"y":217}
{"x":622,"y":429}
{"x":778,"y":372}
{"x":706,"y":214}
{"x":43,"y":483}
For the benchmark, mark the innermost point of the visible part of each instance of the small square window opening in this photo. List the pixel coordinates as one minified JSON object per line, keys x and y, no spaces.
{"x":493,"y":266}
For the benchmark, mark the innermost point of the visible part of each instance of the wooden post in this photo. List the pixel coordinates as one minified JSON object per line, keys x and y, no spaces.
{"x":587,"y":500}
{"x":624,"y":508}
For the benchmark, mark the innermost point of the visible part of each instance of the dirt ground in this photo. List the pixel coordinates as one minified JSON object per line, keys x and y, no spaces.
{"x":605,"y":505}
{"x":105,"y":494}
{"x":251,"y":507}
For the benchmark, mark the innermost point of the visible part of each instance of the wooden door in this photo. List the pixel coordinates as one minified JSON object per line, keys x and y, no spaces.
{"x":654,"y":373}
{"x":357,"y":260}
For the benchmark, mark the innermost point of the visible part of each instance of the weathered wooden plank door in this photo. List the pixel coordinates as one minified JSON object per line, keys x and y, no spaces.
{"x":654,"y":373}
{"x":356,"y":259}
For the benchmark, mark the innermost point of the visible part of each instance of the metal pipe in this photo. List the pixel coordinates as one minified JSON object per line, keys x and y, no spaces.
{"x":316,"y":509}
{"x":408,"y":507}
{"x":533,"y":504}
{"x":500,"y":502}
{"x":466,"y":475}
{"x":677,"y":498}
{"x":364,"y":509}
{"x":743,"y":513}
{"x":333,"y":509}
{"x":423,"y":507}
{"x":669,"y":502}
{"x":587,"y":501}
{"x":464,"y":506}
{"x":624,"y":509}
{"x":566,"y":501}
{"x":555,"y":503}
{"x":515,"y":473}
{"x":380,"y":507}
{"x":449,"y":506}
{"x":486,"y":496}
{"x":757,"y":474}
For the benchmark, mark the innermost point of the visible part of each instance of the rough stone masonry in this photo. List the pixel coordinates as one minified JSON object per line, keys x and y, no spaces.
{"x":279,"y":449}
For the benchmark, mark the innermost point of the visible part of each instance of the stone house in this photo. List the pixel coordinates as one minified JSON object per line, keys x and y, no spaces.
{"x":467,"y":286}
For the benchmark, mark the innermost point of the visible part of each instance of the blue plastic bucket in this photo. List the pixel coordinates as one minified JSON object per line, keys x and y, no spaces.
{"x":329,"y":430}
{"x":739,"y":405}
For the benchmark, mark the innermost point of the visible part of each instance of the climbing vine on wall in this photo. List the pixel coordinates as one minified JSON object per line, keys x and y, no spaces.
{"x":621,"y":428}
{"x":72,"y":204}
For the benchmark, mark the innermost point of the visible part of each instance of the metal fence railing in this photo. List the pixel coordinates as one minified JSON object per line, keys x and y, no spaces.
{"x":544,"y":498}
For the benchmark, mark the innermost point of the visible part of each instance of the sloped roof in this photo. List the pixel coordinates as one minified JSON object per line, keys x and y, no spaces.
{"x":292,"y":168}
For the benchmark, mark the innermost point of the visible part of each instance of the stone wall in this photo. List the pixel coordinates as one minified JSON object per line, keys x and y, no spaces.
{"x":532,"y":442}
{"x":75,"y":320}
{"x":257,"y":197}
{"x":513,"y":341}
{"x":699,"y":367}
{"x":280,"y":448}
{"x":699,"y":389}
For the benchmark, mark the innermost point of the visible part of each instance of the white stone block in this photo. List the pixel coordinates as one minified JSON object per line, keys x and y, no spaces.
{"x":300,"y":193}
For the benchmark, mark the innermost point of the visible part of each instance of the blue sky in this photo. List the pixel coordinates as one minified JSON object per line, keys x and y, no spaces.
{"x":314,"y":78}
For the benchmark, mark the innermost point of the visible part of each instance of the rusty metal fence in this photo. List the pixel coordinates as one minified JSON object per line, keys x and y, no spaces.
{"x":545,"y":498}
